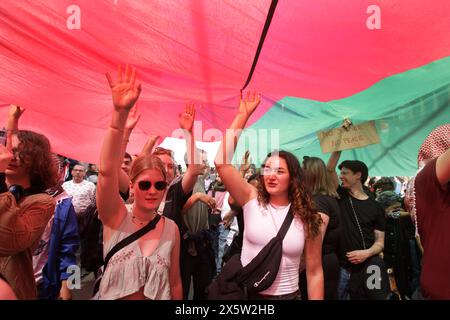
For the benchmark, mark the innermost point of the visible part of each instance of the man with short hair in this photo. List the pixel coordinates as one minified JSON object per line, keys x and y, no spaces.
{"x":92,"y":173}
{"x":197,"y":255}
{"x":81,"y":190}
{"x":126,"y":163}
{"x":180,"y":189}
{"x":362,"y":235}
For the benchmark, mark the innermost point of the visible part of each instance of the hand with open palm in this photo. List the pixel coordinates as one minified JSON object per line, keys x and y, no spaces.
{"x":187,"y":118}
{"x":248,"y":102}
{"x":124,"y":91}
{"x":133,"y":118}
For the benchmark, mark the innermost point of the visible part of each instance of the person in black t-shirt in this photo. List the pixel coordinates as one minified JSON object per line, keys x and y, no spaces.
{"x":325,"y":199}
{"x":180,"y":189}
{"x":363,"y":273}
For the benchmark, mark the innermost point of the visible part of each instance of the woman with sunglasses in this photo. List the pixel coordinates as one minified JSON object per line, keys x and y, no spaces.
{"x":147,"y":268}
{"x":27,"y":169}
{"x":281,"y":187}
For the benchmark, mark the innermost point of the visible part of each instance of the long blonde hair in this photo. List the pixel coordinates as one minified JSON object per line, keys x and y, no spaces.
{"x":317,"y":178}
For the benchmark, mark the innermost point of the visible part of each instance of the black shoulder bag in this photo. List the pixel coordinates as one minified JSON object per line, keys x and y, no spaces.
{"x":122,"y":244}
{"x":235,"y":281}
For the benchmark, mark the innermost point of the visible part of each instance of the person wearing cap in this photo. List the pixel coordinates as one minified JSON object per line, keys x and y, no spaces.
{"x":401,"y":252}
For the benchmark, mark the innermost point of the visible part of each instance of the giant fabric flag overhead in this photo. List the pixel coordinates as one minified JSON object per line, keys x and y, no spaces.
{"x":315,"y":63}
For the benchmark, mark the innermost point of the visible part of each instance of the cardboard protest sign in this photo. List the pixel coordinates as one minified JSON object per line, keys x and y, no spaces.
{"x":356,"y":136}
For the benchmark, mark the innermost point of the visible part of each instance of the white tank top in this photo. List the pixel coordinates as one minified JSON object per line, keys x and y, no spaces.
{"x":261,"y":225}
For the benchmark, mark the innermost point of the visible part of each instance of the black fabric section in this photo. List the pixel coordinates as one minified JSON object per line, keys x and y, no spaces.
{"x":175,"y":201}
{"x":270,"y":14}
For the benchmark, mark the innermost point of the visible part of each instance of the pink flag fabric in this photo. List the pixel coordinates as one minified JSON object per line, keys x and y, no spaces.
{"x":54,"y":54}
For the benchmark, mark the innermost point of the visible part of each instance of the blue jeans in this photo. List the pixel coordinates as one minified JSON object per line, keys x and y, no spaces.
{"x":343,"y":284}
{"x":223,"y":234}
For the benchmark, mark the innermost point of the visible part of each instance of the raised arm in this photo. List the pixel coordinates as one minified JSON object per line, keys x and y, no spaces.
{"x":443,"y":169}
{"x":245,"y":165}
{"x":151,"y":142}
{"x":195,"y":167}
{"x":132,"y":120}
{"x":331,"y":167}
{"x":125,"y":93}
{"x":12,"y":124}
{"x":238,"y":188}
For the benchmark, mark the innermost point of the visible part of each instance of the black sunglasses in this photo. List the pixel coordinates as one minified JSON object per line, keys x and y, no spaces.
{"x":145,"y":185}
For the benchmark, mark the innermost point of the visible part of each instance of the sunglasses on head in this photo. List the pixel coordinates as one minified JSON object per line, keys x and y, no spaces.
{"x":145,"y":185}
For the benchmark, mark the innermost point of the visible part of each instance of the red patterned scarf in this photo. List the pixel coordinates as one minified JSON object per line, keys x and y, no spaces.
{"x":437,"y":142}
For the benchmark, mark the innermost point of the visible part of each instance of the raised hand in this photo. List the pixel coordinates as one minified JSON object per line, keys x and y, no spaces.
{"x":133,"y":118}
{"x":151,"y":142}
{"x":245,"y":163}
{"x":124,"y":91}
{"x":187,"y":118}
{"x":12,"y":124}
{"x":15,"y":112}
{"x":249,"y":102}
{"x":154,"y":139}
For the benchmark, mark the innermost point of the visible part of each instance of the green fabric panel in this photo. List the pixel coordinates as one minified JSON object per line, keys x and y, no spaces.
{"x":406,"y":107}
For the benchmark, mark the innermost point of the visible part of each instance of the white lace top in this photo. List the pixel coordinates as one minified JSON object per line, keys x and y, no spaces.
{"x":128,"y":270}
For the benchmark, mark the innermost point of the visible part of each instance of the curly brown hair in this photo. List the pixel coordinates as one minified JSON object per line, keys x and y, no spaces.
{"x":299,"y":196}
{"x":34,"y":152}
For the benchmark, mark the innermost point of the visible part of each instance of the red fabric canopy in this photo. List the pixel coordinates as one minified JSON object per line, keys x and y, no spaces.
{"x":200,"y":51}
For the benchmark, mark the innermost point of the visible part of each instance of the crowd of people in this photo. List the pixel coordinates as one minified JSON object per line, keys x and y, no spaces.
{"x":149,"y":231}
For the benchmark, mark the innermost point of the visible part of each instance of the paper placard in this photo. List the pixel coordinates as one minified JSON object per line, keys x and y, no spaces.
{"x":356,"y":136}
